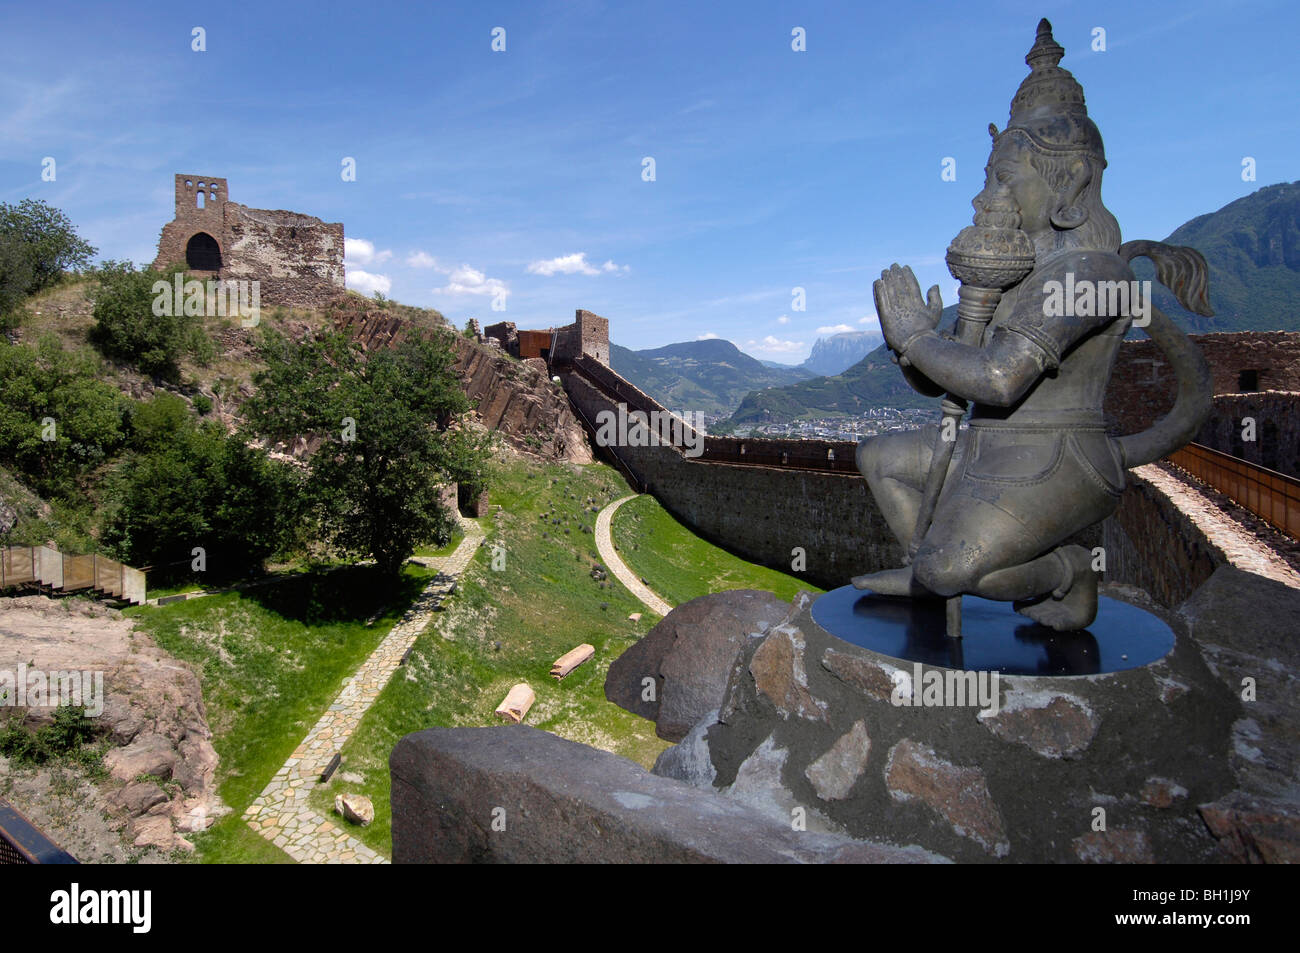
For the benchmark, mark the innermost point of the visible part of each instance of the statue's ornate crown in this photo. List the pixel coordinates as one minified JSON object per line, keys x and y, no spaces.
{"x":1048,"y":107}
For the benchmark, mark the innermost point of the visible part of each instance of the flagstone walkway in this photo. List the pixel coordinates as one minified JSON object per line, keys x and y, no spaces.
{"x":605,"y":546}
{"x":281,"y":813}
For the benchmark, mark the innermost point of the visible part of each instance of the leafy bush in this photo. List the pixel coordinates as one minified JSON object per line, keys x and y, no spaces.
{"x":57,"y":422}
{"x":37,"y":245}
{"x":126,"y":328}
{"x":373,"y":482}
{"x":65,"y":736}
{"x":187,"y":484}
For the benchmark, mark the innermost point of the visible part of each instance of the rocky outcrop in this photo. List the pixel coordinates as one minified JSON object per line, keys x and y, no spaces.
{"x":689,"y":656}
{"x":161,"y":765}
{"x":519,"y":795}
{"x":518,"y":400}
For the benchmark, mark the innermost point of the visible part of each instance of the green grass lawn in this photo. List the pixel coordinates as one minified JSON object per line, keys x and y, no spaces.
{"x":681,"y":566}
{"x":271,"y":659}
{"x":543,"y":603}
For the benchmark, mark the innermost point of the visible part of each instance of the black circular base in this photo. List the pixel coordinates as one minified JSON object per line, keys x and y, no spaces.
{"x":996,"y":638}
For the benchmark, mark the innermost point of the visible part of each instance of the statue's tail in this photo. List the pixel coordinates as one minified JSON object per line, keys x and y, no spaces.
{"x":1183,"y":271}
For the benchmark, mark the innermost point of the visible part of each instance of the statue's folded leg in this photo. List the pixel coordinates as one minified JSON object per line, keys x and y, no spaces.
{"x":1058,"y":589}
{"x":895,"y":466}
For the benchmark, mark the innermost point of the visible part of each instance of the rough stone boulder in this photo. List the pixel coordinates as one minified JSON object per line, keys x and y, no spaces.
{"x":354,"y":808}
{"x":152,"y":710}
{"x":811,"y":724}
{"x":1248,"y":626}
{"x":690,"y":654}
{"x":520,"y":795}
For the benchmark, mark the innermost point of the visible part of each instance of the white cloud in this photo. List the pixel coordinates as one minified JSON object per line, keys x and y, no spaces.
{"x":867,"y":319}
{"x":367,"y":283}
{"x":464,"y":280}
{"x":834,"y":329}
{"x":708,"y":336}
{"x":420,"y":259}
{"x":773,"y":345}
{"x":784,"y":319}
{"x":575,"y":264}
{"x":363,"y":252}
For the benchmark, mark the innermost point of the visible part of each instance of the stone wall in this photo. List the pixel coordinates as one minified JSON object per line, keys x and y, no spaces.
{"x":1151,"y":543}
{"x":1142,"y":387}
{"x":588,"y":334}
{"x":297,"y":259}
{"x":1276,"y":416}
{"x":762,"y":513}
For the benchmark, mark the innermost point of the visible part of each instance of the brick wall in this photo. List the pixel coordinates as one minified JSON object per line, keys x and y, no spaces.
{"x":1142,"y":386}
{"x":1276,"y":416}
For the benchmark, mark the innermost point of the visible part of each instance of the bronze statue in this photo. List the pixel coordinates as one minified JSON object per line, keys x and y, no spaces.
{"x":1046,"y":296}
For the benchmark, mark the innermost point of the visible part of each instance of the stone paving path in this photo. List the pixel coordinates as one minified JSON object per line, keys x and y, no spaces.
{"x":281,"y":813}
{"x":605,"y":546}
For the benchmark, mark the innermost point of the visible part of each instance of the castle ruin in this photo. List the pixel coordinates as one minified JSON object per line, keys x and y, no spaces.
{"x":296,"y":258}
{"x":587,"y":335}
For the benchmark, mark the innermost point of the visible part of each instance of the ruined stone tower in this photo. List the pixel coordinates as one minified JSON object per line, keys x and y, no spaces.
{"x":298,"y":259}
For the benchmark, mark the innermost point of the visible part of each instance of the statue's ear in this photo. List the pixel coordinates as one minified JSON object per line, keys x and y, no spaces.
{"x":1068,"y":214}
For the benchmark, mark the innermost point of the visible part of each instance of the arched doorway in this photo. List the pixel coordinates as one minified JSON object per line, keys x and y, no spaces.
{"x":202,"y":253}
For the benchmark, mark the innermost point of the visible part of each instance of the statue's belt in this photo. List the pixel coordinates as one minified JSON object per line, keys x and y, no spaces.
{"x":1065,"y":421}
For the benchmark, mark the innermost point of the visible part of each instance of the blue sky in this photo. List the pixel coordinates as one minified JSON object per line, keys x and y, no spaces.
{"x":479,"y":171}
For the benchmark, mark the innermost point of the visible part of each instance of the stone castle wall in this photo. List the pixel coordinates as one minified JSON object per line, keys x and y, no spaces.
{"x":297,"y":259}
{"x":762,"y":513}
{"x":588,"y":334}
{"x":1276,"y":429}
{"x":1142,"y":385}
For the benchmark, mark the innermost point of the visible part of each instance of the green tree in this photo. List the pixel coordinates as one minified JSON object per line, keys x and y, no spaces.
{"x":38,"y":244}
{"x":388,"y":426}
{"x":57,"y":421}
{"x":187,"y":484}
{"x":128,"y":329}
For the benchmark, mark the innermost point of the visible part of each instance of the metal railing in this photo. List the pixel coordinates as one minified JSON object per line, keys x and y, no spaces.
{"x":21,"y":842}
{"x":1273,"y":497}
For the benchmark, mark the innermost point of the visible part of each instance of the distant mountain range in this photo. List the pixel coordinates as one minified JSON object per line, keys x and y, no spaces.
{"x":840,"y":351}
{"x":874,"y":381}
{"x":711,"y":376}
{"x":1252,"y":246}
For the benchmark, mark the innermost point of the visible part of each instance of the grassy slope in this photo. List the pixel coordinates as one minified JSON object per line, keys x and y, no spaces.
{"x":541,"y":605}
{"x":271,"y":659}
{"x":679,"y":565}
